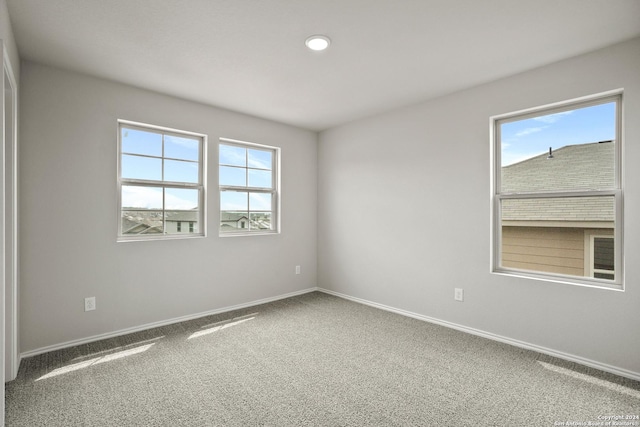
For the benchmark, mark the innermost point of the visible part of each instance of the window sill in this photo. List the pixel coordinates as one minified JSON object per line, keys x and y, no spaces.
{"x":248,"y":233}
{"x":122,"y":239}
{"x":586,"y":282}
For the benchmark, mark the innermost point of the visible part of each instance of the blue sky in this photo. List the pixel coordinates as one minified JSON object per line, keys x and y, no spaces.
{"x":234,"y":164}
{"x":523,"y":139}
{"x":234,"y":160}
{"x":142,"y":153}
{"x":134,"y":166}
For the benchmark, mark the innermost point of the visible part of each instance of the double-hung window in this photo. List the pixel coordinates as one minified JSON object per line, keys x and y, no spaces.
{"x":557,"y":192}
{"x":248,"y":178}
{"x":161,"y":175}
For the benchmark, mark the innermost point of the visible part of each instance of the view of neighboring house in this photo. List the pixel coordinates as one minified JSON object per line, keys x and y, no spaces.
{"x":231,"y":221}
{"x":569,"y":235}
{"x":141,"y":222}
{"x":151,"y":222}
{"x":179,"y":222}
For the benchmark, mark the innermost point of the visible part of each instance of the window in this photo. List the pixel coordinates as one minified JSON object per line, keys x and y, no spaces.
{"x":599,"y":250}
{"x":160,"y":182}
{"x":557,"y":192}
{"x":248,"y":188}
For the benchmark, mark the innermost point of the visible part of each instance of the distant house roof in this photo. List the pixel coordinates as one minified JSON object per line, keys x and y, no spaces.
{"x":232,"y":216}
{"x":573,"y":167}
{"x":182,"y":215}
{"x":139,"y":223}
{"x":259,"y":221}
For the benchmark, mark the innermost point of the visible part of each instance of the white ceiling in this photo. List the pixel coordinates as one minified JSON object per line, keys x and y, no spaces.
{"x":249,"y":55}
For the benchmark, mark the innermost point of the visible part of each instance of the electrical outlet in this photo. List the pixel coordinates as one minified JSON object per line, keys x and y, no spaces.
{"x":89,"y":303}
{"x":458,"y":294}
{"x":297,"y":269}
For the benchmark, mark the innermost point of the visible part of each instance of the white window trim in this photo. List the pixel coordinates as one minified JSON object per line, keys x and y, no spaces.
{"x":275,"y":192}
{"x":617,"y":192}
{"x":201,"y":186}
{"x":589,"y":248}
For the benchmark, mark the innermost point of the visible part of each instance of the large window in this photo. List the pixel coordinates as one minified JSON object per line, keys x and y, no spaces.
{"x":248,"y":188}
{"x":557,"y":193}
{"x":160,"y":182}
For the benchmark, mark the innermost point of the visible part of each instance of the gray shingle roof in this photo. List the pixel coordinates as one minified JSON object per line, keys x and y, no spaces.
{"x":182,"y":216}
{"x":579,"y":209}
{"x":232,"y":216}
{"x":573,"y":167}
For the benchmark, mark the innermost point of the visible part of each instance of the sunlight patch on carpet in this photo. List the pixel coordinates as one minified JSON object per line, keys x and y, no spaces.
{"x":111,"y":350}
{"x":219,"y":327}
{"x":95,"y":361}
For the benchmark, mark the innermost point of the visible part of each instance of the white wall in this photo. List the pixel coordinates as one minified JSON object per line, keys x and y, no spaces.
{"x":6,"y":35}
{"x":404,"y":215}
{"x":7,"y":42}
{"x":69,"y":215}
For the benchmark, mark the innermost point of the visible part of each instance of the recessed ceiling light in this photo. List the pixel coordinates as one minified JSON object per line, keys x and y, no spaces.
{"x":317,"y":42}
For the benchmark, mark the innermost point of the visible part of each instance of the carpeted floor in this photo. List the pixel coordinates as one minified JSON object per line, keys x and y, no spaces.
{"x":311,"y":360}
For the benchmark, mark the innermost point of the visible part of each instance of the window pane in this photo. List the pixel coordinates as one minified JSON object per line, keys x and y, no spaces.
{"x":233,"y":176}
{"x":181,"y":199}
{"x":260,"y":159}
{"x":137,"y":197}
{"x":136,"y":167}
{"x":603,"y":257}
{"x":603,"y":276}
{"x":141,"y":142}
{"x":178,"y":222}
{"x":582,"y":151}
{"x":260,"y":202}
{"x":234,"y":201}
{"x":260,"y":178}
{"x":164,"y":205}
{"x":232,"y":155}
{"x":548,"y":234}
{"x":142,"y":222}
{"x":234,"y":221}
{"x":251,"y":168}
{"x":260,"y":220}
{"x":178,"y":171}
{"x":181,"y":148}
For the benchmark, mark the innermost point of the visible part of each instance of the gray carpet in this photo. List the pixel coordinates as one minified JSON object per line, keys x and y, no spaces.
{"x":313,"y":360}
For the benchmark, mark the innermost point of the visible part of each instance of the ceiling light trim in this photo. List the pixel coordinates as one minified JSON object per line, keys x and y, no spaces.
{"x":317,"y":42}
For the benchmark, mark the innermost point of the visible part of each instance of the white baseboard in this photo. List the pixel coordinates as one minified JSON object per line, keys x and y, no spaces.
{"x":157,"y":324}
{"x":560,"y":355}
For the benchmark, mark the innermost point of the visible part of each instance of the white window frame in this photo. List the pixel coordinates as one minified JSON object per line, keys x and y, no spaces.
{"x":274,"y":190}
{"x":200,"y":185}
{"x":589,"y":248}
{"x":616,"y":192}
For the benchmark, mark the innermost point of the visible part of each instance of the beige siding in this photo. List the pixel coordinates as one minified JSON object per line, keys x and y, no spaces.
{"x":552,"y":250}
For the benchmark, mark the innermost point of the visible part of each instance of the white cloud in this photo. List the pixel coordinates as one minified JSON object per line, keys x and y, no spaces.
{"x":260,"y":202}
{"x":552,"y":118}
{"x":184,"y":142}
{"x":257,"y":163}
{"x":173,"y":202}
{"x":529,"y":131}
{"x":151,"y":198}
{"x":141,"y":197}
{"x":231,"y":155}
